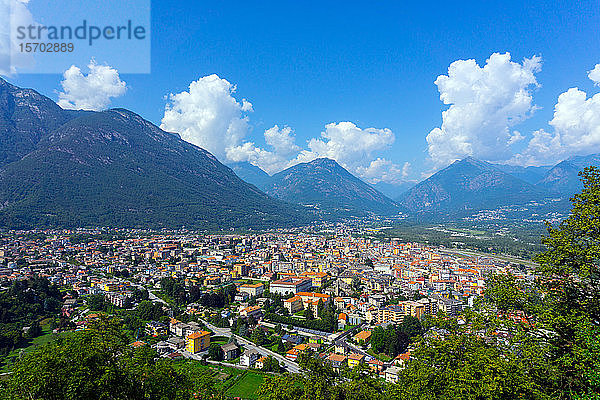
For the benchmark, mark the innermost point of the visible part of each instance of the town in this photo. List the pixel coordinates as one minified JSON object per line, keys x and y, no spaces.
{"x":255,"y":300}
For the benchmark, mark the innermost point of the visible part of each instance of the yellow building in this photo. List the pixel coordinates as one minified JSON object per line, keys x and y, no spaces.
{"x":355,"y":359}
{"x":198,"y":341}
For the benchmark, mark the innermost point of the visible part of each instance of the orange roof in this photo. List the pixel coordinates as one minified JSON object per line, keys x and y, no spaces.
{"x":197,"y":335}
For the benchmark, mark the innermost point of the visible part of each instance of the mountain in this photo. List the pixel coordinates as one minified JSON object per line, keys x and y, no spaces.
{"x":26,"y":117}
{"x":469,"y":184}
{"x":563,"y":178}
{"x":114,"y":168}
{"x":251,"y":174}
{"x":529,"y":174}
{"x":393,"y":191}
{"x":327,"y":185}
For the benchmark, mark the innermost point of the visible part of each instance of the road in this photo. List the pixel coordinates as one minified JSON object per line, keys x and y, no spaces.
{"x":151,"y":295}
{"x":290,"y":365}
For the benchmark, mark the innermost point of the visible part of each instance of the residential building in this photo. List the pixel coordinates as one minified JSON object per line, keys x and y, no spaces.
{"x":198,"y":341}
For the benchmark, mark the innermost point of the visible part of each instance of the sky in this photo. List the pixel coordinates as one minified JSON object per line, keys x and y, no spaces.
{"x":393,"y":91}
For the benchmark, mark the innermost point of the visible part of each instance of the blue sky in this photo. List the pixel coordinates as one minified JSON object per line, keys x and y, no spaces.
{"x":309,"y":64}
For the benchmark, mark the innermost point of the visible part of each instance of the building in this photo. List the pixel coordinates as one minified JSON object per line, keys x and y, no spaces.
{"x":240,"y":270}
{"x":155,"y":328}
{"x":394,"y":313}
{"x":355,"y":359}
{"x":362,"y":337}
{"x":249,"y":358}
{"x":255,"y":289}
{"x":293,"y":305}
{"x":391,"y":374}
{"x":318,"y":278}
{"x":259,"y":364}
{"x":230,"y":351}
{"x":451,"y":307}
{"x":336,"y":360}
{"x":252,"y":311}
{"x":291,"y":285}
{"x":198,"y":341}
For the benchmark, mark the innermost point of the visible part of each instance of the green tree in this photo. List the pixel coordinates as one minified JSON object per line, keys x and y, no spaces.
{"x":215,"y":352}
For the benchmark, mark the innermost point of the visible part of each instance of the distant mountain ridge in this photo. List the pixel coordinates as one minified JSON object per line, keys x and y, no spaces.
{"x":326,"y":184}
{"x":564,"y":179}
{"x":469,"y":184}
{"x":251,"y":174}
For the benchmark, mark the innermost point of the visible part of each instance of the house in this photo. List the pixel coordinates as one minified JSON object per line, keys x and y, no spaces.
{"x":292,"y":339}
{"x":336,"y":360}
{"x":291,"y":285}
{"x":155,"y":328}
{"x":355,"y":359}
{"x":230,"y":351}
{"x":362,"y":337}
{"x":241,"y":296}
{"x":176,"y":343}
{"x":293,"y":305}
{"x":292,"y":354}
{"x":198,"y":341}
{"x":401,"y":359}
{"x":254,"y":290}
{"x":260,"y":362}
{"x":375,"y":365}
{"x":252,"y":311}
{"x":342,"y":320}
{"x":391,"y":374}
{"x":249,"y":358}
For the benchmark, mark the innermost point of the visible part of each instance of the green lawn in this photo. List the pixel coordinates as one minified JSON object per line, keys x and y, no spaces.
{"x":247,"y":386}
{"x":47,"y":337}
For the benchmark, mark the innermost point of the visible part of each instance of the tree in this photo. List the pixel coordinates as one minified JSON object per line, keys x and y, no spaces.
{"x":271,"y":365}
{"x":96,"y":302}
{"x":94,"y":364}
{"x":215,"y":352}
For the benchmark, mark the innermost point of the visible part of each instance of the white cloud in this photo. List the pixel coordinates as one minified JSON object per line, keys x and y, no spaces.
{"x":485,"y":102}
{"x":92,"y":91}
{"x":208,"y":115}
{"x":594,"y":75}
{"x":282,"y":140}
{"x":382,"y":170}
{"x":13,"y":13}
{"x":354,"y":148}
{"x":348,"y":144}
{"x":268,"y":161}
{"x":576,"y":124}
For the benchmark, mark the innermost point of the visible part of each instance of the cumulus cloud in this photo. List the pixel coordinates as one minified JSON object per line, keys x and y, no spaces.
{"x":484,"y":103}
{"x":576,"y":124}
{"x":354,"y":148}
{"x":268,"y":161}
{"x":93,"y":91}
{"x":594,"y":75}
{"x":208,"y":115}
{"x":282,"y":140}
{"x":382,"y":170}
{"x":347,"y":144}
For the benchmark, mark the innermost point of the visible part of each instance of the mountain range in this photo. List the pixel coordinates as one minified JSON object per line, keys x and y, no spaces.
{"x":469,"y":184}
{"x":113,"y":168}
{"x":64,"y":168}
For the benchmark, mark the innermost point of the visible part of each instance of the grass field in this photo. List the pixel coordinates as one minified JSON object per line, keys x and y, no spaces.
{"x":247,"y":386}
{"x":47,"y":337}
